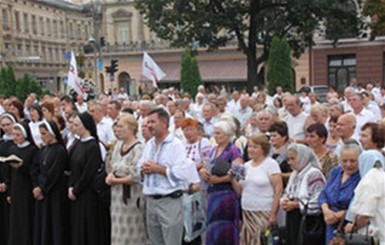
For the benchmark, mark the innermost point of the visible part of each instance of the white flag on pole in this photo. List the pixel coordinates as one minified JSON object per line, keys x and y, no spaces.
{"x":73,"y":79}
{"x":151,"y":70}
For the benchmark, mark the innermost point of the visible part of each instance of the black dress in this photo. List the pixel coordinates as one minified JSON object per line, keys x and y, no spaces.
{"x":50,"y":213}
{"x":84,"y":161}
{"x":4,"y":178}
{"x":23,"y":180}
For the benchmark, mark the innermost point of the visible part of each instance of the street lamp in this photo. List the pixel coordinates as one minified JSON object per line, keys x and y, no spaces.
{"x":93,"y":42}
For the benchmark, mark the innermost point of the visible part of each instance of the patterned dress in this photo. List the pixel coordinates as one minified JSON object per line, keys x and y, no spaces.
{"x":127,"y":222}
{"x":328,"y":162}
{"x":223,"y":206}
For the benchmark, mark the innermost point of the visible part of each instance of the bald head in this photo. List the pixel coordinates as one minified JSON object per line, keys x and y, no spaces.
{"x":345,"y":126}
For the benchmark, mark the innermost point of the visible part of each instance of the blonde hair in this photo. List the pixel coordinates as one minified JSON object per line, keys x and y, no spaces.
{"x":129,"y":120}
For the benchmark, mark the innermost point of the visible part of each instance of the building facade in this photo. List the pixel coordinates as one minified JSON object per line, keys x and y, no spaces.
{"x":36,"y":36}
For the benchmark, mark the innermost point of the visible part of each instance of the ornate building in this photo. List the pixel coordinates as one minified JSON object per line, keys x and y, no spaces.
{"x":36,"y":35}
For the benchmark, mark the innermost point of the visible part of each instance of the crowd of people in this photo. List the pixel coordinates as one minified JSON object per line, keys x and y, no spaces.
{"x":118,"y":171}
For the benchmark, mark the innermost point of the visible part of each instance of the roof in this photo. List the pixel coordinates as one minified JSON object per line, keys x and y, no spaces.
{"x":218,"y":70}
{"x":61,"y":4}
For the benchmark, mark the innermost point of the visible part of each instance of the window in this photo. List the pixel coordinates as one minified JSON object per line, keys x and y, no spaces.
{"x":86,"y":32}
{"x":54,"y":24}
{"x":57,"y":56}
{"x":42,"y":26}
{"x":28,"y":50}
{"x":26,"y":23}
{"x":79,"y":31}
{"x":341,"y":70}
{"x":34,"y":26}
{"x":122,"y":32}
{"x":50,"y":57}
{"x":71,"y":30}
{"x":36,"y":50}
{"x":43,"y":54}
{"x":49,"y":27}
{"x":61,"y":34}
{"x":17,"y":22}
{"x":19,"y":50}
{"x":5,"y":19}
{"x":63,"y":54}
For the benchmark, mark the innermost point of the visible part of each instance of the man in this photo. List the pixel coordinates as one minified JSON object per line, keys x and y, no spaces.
{"x":264,"y":120}
{"x":103,"y":126}
{"x":279,"y":93}
{"x":336,"y":108}
{"x":179,"y":116}
{"x":198,"y":105}
{"x":145,"y":106}
{"x":295,"y":119}
{"x":349,"y":91}
{"x":244,"y":112}
{"x":113,"y":109}
{"x":145,"y":131}
{"x":233,"y":105}
{"x":80,"y":104}
{"x":122,"y":94}
{"x":346,"y":125}
{"x":362,"y":114}
{"x":209,"y":119}
{"x":163,"y":171}
{"x":371,"y":105}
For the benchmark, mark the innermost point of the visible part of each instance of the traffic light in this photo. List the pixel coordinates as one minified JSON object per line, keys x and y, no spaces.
{"x":102,"y":42}
{"x":108,"y":69}
{"x":114,"y":66}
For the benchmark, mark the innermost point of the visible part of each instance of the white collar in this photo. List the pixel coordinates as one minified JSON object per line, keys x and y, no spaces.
{"x":86,"y":139}
{"x":25,"y":144}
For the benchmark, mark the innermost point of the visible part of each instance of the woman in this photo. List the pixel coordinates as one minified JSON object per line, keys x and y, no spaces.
{"x":198,"y":151}
{"x":36,"y":115}
{"x":302,"y":191}
{"x":260,"y":191}
{"x":316,"y":135}
{"x":318,"y":114}
{"x":127,"y":224}
{"x":372,"y":137}
{"x":279,"y":138}
{"x":333,"y":138}
{"x":7,"y":121}
{"x":223,"y":203}
{"x":48,"y":110}
{"x":24,"y":176}
{"x":369,"y":196}
{"x":85,"y":160}
{"x":17,"y":110}
{"x":339,"y":190}
{"x":51,"y":215}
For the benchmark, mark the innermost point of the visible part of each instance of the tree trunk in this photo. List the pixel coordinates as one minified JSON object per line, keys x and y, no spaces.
{"x":251,"y":70}
{"x":252,"y":48}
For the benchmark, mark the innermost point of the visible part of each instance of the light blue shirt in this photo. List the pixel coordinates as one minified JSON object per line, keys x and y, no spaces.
{"x":171,"y":153}
{"x":209,"y":126}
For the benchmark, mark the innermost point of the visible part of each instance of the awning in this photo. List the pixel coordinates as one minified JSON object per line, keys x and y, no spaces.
{"x":218,"y":70}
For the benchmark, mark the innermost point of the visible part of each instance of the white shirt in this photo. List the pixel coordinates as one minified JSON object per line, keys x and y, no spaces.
{"x":363,"y":117}
{"x":296,"y":126}
{"x":105,"y":132}
{"x":171,"y":154}
{"x":81,"y":108}
{"x":233,"y":106}
{"x":375,"y":109}
{"x":370,"y":201}
{"x":122,"y":96}
{"x":257,"y":190}
{"x":243,"y":115}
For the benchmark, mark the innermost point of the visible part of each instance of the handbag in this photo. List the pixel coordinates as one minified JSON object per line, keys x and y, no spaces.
{"x":221,"y":167}
{"x":339,"y":238}
{"x":194,"y":219}
{"x":358,"y":239}
{"x":312,"y":228}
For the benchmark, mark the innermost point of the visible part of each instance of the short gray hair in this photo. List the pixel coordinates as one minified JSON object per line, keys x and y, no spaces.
{"x":225,"y":127}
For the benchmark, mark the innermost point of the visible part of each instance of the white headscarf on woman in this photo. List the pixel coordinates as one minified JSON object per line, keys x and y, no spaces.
{"x":305,"y":157}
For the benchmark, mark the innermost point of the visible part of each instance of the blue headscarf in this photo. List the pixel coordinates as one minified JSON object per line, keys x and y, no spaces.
{"x":368,"y":159}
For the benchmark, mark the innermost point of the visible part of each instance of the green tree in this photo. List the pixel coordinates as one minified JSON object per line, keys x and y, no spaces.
{"x":215,"y":23}
{"x":190,"y":77}
{"x":9,"y":82}
{"x":376,"y":10}
{"x":279,"y":70}
{"x":22,"y":85}
{"x":35,"y":87}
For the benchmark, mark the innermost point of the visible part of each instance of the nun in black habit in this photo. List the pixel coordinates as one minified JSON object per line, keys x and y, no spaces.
{"x":7,"y":121}
{"x":24,"y":177}
{"x":51,"y":217}
{"x":85,"y":160}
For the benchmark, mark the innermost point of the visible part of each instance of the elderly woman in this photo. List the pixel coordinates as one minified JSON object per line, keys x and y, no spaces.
{"x":318,"y":114}
{"x":223,"y":202}
{"x":7,"y":121}
{"x":126,"y":214}
{"x":279,"y":139}
{"x":23,"y":178}
{"x":316,"y":135}
{"x":260,"y":191}
{"x":369,"y":196}
{"x":372,"y":136}
{"x":339,"y":190}
{"x":301,"y":194}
